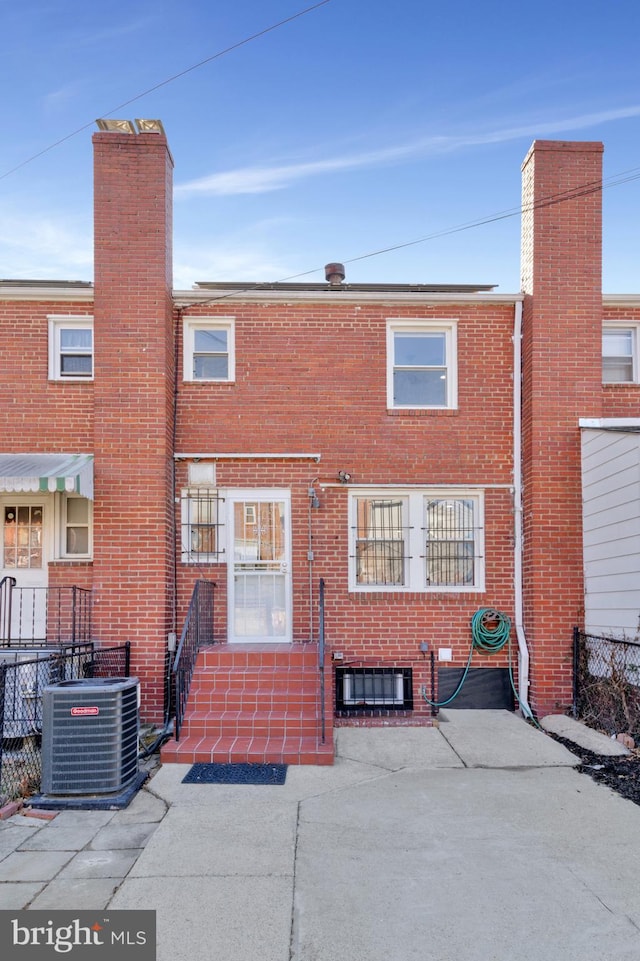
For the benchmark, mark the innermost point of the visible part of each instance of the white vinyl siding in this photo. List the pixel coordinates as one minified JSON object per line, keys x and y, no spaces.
{"x":611,"y":530}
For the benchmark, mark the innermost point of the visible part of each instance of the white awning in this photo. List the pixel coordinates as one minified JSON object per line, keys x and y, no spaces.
{"x":47,"y":473}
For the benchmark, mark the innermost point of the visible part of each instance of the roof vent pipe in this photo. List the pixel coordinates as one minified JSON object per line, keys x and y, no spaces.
{"x":334,"y":274}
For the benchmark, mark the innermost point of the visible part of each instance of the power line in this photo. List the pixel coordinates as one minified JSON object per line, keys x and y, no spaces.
{"x":582,"y":190}
{"x":163,"y":83}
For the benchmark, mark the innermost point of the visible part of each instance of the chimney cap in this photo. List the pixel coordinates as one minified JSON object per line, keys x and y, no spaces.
{"x":334,"y":273}
{"x":115,"y":126}
{"x":110,"y":125}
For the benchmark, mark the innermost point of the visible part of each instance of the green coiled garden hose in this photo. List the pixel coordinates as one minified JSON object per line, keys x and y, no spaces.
{"x":490,"y":631}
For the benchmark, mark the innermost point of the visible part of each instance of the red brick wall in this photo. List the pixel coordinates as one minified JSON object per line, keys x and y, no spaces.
{"x":134,"y":383}
{"x":561,"y":271}
{"x":49,"y":416}
{"x":311,"y":378}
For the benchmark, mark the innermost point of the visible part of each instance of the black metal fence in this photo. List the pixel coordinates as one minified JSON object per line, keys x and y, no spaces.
{"x":43,"y":616}
{"x":197,"y":630}
{"x":23,"y":676}
{"x":606,"y":683}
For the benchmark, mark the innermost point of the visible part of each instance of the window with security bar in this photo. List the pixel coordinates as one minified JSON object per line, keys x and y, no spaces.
{"x":201,"y":527}
{"x":450,"y":542}
{"x":381,"y":538}
{"x":417,"y":540}
{"x":367,"y":690}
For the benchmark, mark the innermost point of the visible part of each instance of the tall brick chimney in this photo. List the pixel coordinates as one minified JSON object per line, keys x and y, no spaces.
{"x":562,"y":334}
{"x":133,"y":389}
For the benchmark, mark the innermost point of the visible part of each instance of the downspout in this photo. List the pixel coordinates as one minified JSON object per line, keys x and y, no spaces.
{"x":523,"y":650}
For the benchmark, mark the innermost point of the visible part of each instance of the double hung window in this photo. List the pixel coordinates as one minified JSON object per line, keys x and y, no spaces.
{"x":421,"y":364}
{"x":209,"y":350}
{"x":70,"y":348}
{"x":620,"y":354}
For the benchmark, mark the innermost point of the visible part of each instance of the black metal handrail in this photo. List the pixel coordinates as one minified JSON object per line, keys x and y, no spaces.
{"x":43,"y":616}
{"x":198,"y":628}
{"x":321,"y":655}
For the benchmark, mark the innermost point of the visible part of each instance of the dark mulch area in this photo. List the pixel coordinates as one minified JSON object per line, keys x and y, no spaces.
{"x":621,"y":774}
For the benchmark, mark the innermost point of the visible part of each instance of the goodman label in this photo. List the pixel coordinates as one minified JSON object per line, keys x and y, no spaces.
{"x":79,"y":935}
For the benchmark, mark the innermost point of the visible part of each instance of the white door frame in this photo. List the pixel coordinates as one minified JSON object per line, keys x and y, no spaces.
{"x":269,"y":623}
{"x":34,"y":605}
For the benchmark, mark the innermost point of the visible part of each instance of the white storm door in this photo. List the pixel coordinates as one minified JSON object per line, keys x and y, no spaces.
{"x":25,"y":557}
{"x":259,"y":568}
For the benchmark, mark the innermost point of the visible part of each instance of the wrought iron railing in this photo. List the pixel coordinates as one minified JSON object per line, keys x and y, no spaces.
{"x":321,"y":657}
{"x":22,"y":680}
{"x":43,"y":616}
{"x":606,"y":683}
{"x":197,"y":630}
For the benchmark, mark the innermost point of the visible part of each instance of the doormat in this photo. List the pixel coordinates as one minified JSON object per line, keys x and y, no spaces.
{"x":236,"y":774}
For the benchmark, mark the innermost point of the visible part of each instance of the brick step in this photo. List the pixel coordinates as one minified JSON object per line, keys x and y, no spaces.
{"x":249,"y":724}
{"x":256,"y":702}
{"x":257,"y":750}
{"x":261,"y":679}
{"x":247,"y":698}
{"x":259,"y":655}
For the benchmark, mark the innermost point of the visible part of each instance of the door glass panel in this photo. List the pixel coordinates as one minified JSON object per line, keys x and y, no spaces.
{"x":259,"y":533}
{"x":22,"y":537}
{"x":260,"y":605}
{"x":260,"y":583}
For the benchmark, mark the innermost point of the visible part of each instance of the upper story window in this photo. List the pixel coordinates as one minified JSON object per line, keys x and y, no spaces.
{"x":421,"y":364}
{"x":70,"y":348}
{"x":418,"y":540}
{"x":620,"y":354}
{"x":209,"y":349}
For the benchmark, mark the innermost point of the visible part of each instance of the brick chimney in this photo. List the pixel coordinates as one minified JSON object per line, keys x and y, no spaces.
{"x":133,"y":390}
{"x":562,"y":335}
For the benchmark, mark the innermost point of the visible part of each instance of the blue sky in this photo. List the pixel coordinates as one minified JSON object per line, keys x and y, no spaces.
{"x":358,"y":126}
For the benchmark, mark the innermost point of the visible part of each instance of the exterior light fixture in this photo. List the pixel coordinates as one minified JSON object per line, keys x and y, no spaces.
{"x":116,"y":126}
{"x":344,"y":477}
{"x":149,"y":126}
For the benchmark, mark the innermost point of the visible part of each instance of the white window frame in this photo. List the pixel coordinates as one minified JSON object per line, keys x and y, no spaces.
{"x":188,"y":555}
{"x":69,"y":322}
{"x":63,"y":523}
{"x":633,"y":329}
{"x":190,"y":326}
{"x":414,"y":523}
{"x":444,"y":326}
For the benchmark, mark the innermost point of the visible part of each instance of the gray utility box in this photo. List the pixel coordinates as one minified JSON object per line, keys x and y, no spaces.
{"x":90,"y":735}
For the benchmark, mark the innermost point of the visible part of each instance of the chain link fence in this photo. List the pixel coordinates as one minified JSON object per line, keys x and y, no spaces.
{"x":23,"y":676}
{"x":606,"y":679}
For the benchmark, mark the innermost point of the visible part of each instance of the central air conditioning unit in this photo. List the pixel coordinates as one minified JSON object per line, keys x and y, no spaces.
{"x":90,"y":736}
{"x":29,"y":671}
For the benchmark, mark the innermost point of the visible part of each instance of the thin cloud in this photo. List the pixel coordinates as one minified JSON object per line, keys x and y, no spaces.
{"x":257,"y":180}
{"x":41,"y":248}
